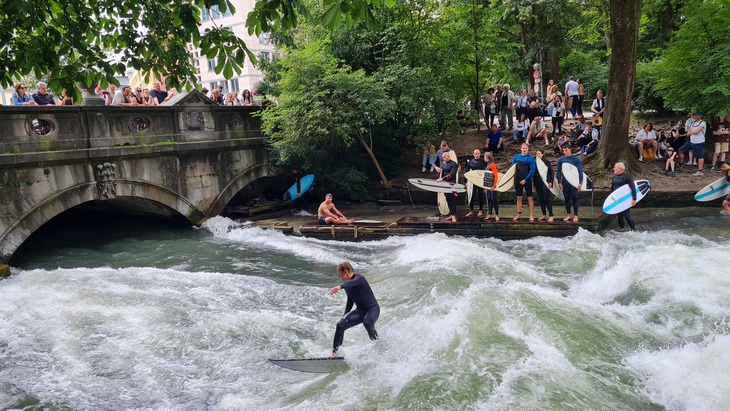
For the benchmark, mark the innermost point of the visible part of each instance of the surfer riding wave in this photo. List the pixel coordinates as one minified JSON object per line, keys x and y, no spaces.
{"x":359,"y":294}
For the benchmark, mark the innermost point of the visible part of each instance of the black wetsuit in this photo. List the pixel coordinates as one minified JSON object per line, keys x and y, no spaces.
{"x":543,"y":192}
{"x":617,"y":181}
{"x":448,"y":173}
{"x":476,"y":191}
{"x":366,"y":310}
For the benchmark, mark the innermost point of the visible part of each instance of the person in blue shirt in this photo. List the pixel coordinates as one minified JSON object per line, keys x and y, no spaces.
{"x":570,"y":192}
{"x":494,"y":140}
{"x":523,"y":180}
{"x":361,"y":296}
{"x":20,"y":97}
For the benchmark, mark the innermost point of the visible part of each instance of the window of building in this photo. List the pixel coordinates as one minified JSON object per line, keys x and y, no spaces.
{"x":227,"y":13}
{"x":234,"y":85}
{"x":211,"y":65}
{"x":265,"y":38}
{"x":224,"y":84}
{"x":215,"y":12}
{"x":265,"y":56}
{"x":205,"y":14}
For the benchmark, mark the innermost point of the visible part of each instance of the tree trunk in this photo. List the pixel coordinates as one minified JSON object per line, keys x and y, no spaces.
{"x":553,"y":58}
{"x":625,"y":16}
{"x":383,"y":179}
{"x":606,"y":21}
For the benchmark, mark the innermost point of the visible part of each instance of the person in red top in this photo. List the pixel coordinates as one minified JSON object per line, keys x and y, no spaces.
{"x":491,"y":194}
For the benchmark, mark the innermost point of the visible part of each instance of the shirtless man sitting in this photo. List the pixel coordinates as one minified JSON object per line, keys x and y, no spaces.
{"x":329,"y":214}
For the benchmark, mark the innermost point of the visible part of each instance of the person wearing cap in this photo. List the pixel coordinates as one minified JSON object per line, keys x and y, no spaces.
{"x":695,"y":127}
{"x":327,"y":213}
{"x":669,"y":164}
{"x":619,"y":179}
{"x":721,"y":134}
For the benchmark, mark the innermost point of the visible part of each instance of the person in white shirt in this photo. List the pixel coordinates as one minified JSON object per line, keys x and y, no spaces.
{"x":557,"y":108}
{"x":646,"y":137}
{"x":521,"y":127}
{"x":537,"y":130}
{"x":696,"y":128}
{"x":571,"y":90}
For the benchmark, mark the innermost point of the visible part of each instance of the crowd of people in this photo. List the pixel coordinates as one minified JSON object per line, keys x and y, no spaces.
{"x":126,"y":96}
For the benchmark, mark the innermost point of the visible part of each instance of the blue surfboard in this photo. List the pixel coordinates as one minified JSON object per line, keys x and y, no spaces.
{"x":621,"y":198}
{"x":305,"y":182}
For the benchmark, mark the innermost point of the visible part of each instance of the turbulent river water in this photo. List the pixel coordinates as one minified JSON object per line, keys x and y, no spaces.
{"x":151,"y":316}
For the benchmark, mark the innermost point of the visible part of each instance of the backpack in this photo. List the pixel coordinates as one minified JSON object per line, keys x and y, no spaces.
{"x":648,"y":153}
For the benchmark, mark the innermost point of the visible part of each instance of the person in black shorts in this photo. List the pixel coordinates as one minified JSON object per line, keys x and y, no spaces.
{"x":327,"y":213}
{"x":361,"y":296}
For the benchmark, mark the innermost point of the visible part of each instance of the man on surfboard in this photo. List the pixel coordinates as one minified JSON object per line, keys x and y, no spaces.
{"x":619,"y":179}
{"x":359,"y":294}
{"x":329,"y":214}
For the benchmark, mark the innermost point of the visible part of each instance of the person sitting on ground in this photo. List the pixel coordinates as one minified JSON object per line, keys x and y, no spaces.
{"x":522,"y":126}
{"x":476,"y":163}
{"x":327,"y":213}
{"x":669,"y":164}
{"x":538,"y":129}
{"x":65,"y":100}
{"x":725,"y":169}
{"x":721,"y":132}
{"x":577,"y":130}
{"x":646,"y":137}
{"x":461,"y":121}
{"x":560,"y":143}
{"x":429,"y":154}
{"x":590,"y":145}
{"x":523,"y":180}
{"x":696,"y":128}
{"x":42,"y":97}
{"x":494,"y":139}
{"x":678,"y":136}
{"x":588,"y":134}
{"x":124,"y":97}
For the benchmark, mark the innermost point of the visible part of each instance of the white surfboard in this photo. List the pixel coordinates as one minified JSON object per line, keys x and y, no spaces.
{"x":542,"y":171}
{"x":481,"y":178}
{"x":469,"y":190}
{"x":714,"y":190}
{"x":507,"y":181}
{"x":437,"y":187}
{"x":570,"y":173}
{"x":620,"y":198}
{"x":557,"y":191}
{"x":315,"y":365}
{"x":441,"y":197}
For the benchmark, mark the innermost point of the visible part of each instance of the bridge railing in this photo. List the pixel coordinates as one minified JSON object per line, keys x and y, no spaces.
{"x":37,"y":133}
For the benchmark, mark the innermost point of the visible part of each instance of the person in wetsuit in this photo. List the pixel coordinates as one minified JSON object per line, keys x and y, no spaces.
{"x":359,"y":294}
{"x":523,"y":177}
{"x":619,"y":179}
{"x":543,"y":191}
{"x":448,"y":170}
{"x":570,"y":192}
{"x":490,"y":181}
{"x":476,"y":163}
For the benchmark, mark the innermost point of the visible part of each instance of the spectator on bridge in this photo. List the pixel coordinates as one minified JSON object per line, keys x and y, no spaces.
{"x":124,"y":97}
{"x":229,"y":100}
{"x":112,"y":92}
{"x":137,"y":96}
{"x":215,"y":95}
{"x":65,"y":100}
{"x":159,"y":95}
{"x":246,"y":98}
{"x":42,"y":97}
{"x":103,"y":94}
{"x":20,"y":97}
{"x":146,"y":98}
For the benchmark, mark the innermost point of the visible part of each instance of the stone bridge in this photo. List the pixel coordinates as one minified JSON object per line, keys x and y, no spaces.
{"x":186,"y":159}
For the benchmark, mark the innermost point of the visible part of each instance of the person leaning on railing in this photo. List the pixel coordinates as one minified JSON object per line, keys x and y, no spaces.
{"x":20,"y":97}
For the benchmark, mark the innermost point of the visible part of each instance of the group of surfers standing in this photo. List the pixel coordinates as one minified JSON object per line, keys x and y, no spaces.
{"x":527,"y":179}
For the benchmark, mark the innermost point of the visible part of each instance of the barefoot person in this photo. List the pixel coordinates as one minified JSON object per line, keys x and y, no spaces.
{"x":329,"y":214}
{"x":448,"y":171}
{"x":619,"y":179}
{"x":361,"y":295}
{"x":570,"y":192}
{"x":477,"y":194}
{"x":491,"y":194}
{"x":523,"y":176}
{"x":543,"y":192}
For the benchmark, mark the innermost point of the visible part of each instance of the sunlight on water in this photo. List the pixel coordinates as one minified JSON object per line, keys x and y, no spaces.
{"x":591,"y":322}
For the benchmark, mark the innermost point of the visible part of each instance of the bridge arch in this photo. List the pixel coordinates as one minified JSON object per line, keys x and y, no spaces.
{"x":236,"y":184}
{"x":62,"y":201}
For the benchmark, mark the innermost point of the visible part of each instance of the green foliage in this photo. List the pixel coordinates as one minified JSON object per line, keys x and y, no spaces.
{"x":589,"y":67}
{"x":694,"y":71}
{"x":321,"y":111}
{"x":645,"y":96}
{"x":72,"y":41}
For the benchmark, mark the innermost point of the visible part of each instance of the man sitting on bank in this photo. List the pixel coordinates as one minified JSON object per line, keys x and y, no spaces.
{"x":329,"y":214}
